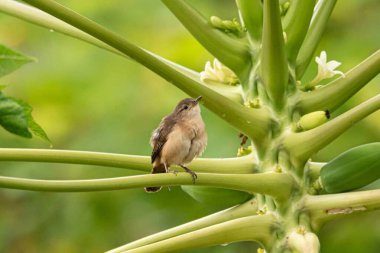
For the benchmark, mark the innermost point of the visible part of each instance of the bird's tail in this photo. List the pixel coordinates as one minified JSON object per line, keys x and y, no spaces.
{"x":160,"y":168}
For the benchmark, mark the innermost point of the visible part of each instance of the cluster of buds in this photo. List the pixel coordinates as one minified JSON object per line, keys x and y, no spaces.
{"x":253,"y":103}
{"x":228,"y":26}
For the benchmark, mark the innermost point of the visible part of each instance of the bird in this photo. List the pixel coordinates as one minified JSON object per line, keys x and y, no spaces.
{"x":180,"y":137}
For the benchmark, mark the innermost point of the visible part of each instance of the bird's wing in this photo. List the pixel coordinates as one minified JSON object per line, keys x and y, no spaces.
{"x":159,"y":136}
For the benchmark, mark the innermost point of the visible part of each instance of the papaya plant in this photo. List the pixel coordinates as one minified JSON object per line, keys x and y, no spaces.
{"x":281,"y":198}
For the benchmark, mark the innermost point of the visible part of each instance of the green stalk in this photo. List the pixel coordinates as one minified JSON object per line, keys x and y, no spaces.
{"x":244,"y":164}
{"x":303,"y":145}
{"x":232,"y":52}
{"x":278,"y":185}
{"x":313,"y":170}
{"x":243,"y":210}
{"x":324,"y":208}
{"x":274,"y":67}
{"x":296,"y":24}
{"x":255,"y":123}
{"x":251,"y":12}
{"x":318,"y":25}
{"x":251,"y":228}
{"x":37,"y":17}
{"x":334,"y":94}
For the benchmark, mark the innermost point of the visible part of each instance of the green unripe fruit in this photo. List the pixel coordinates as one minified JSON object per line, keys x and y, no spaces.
{"x":217,"y":197}
{"x":312,"y":120}
{"x":352,"y":169}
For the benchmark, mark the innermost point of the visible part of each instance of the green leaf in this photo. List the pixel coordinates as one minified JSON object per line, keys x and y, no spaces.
{"x":16,"y":117}
{"x":11,"y":60}
{"x":216,"y":197}
{"x":33,"y":126}
{"x":13,"y":117}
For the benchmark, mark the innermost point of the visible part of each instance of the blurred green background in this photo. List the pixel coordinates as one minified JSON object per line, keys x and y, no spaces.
{"x":88,"y":99}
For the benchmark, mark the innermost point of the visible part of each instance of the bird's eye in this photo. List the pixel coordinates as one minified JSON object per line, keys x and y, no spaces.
{"x":185,"y":107}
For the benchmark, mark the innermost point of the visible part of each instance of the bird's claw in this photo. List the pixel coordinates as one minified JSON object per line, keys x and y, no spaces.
{"x":192,"y":173}
{"x":173,"y":171}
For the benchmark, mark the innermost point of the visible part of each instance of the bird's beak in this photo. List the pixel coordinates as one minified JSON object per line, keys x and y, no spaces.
{"x":197,"y":99}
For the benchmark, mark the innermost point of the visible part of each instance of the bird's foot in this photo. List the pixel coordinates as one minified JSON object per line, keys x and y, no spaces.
{"x":192,"y":173}
{"x":172,"y":171}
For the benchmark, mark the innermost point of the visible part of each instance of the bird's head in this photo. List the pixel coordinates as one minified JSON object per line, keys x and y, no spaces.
{"x":188,"y":108}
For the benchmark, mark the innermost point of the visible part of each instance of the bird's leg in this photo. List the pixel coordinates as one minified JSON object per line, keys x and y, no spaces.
{"x":168,"y":170}
{"x":192,"y":173}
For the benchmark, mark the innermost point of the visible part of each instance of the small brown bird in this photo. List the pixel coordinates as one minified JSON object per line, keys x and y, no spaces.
{"x":180,"y":137}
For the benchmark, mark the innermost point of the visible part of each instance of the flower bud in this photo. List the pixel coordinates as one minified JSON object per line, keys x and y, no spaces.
{"x":228,"y":26}
{"x":303,"y":242}
{"x":219,"y":73}
{"x":261,"y":250}
{"x":244,"y":151}
{"x":312,"y":120}
{"x":216,"y":21}
{"x":255,"y":103}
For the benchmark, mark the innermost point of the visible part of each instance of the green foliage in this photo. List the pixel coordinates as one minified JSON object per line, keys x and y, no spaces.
{"x":16,"y":115}
{"x":217,"y":197}
{"x":11,"y":60}
{"x":13,"y":117}
{"x":279,"y":155}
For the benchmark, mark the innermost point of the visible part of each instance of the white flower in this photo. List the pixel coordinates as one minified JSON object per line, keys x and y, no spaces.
{"x":219,"y":73}
{"x":325,"y":69}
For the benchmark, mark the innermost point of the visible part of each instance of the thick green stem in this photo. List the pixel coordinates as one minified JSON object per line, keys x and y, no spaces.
{"x":38,"y":17}
{"x":251,"y":12}
{"x":280,"y":186}
{"x":251,"y":228}
{"x":313,"y":36}
{"x":274,"y":67}
{"x":232,"y":52}
{"x":313,"y":170}
{"x":337,"y":92}
{"x":244,"y":164}
{"x":255,"y":123}
{"x":301,"y":146}
{"x":246,"y":209}
{"x":324,"y":208}
{"x":296,"y":24}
